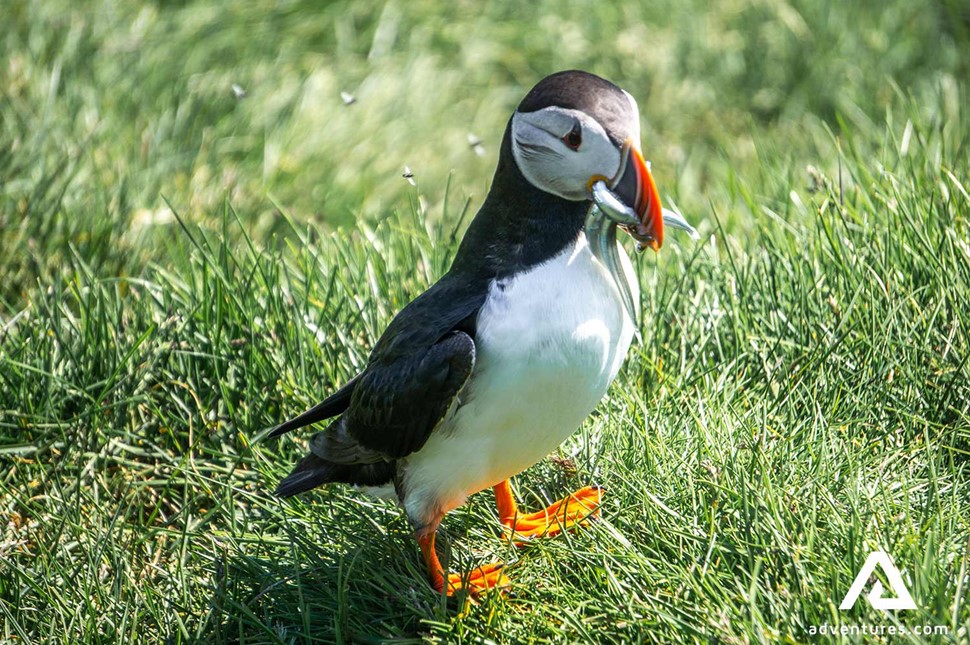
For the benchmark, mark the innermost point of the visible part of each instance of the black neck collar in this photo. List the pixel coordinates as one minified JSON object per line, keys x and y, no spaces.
{"x":518,"y":226}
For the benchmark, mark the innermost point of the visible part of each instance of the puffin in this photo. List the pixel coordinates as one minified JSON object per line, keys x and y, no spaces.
{"x":502,"y":359}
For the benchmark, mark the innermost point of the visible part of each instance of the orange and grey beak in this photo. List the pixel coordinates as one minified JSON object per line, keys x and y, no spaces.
{"x":636,"y":189}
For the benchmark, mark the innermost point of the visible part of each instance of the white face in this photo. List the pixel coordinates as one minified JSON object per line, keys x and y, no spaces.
{"x":560,"y":150}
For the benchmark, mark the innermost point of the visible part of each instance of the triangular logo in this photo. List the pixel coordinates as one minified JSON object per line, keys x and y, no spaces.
{"x":902,"y":599}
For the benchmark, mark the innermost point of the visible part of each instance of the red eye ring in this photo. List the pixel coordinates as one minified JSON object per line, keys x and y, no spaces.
{"x":574,"y":138}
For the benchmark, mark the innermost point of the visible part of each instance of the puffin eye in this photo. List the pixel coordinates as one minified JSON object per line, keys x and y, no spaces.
{"x":574,"y":138}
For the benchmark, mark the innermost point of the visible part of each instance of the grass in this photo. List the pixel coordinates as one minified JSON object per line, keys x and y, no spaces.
{"x":185,"y":266}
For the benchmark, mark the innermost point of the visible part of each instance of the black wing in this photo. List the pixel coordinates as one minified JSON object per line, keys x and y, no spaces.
{"x":415,"y":372}
{"x":398,"y":404}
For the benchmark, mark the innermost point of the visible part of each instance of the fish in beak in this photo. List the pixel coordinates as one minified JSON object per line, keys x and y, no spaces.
{"x":630,"y":200}
{"x":635,"y":189}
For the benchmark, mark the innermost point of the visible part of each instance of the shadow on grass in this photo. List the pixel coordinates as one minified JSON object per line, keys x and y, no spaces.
{"x":334,"y":567}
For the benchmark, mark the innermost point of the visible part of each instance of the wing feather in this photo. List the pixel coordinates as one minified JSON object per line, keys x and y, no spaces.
{"x":414,"y":378}
{"x":333,"y":405}
{"x":396,"y":406}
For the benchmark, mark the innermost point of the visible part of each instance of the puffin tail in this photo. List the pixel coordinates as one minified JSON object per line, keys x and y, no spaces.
{"x":312,"y":471}
{"x":308,"y":474}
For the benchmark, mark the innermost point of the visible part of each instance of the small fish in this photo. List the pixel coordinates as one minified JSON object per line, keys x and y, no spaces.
{"x":407,"y":174}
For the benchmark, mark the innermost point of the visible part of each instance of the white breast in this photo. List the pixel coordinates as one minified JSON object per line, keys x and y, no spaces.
{"x":549,"y":342}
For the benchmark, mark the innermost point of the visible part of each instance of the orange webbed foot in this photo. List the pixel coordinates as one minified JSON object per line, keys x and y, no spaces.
{"x":576,"y":510}
{"x":477,"y":582}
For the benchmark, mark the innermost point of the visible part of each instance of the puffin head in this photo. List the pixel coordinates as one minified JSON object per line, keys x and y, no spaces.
{"x":577,"y":136}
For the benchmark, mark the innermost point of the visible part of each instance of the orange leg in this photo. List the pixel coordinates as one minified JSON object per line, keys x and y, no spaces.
{"x":479,"y":581}
{"x":574,"y":510}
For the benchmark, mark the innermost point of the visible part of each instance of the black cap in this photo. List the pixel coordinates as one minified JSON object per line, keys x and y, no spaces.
{"x":588,"y":93}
